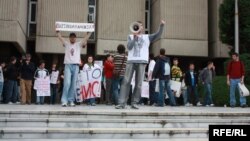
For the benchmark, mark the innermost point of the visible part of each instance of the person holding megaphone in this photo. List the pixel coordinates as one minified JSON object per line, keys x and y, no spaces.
{"x":138,"y":52}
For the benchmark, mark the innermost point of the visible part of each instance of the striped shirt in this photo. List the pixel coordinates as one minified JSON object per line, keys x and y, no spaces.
{"x":118,"y":59}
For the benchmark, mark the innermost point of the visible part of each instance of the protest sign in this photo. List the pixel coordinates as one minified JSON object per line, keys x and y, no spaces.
{"x":42,"y":86}
{"x":89,"y":83}
{"x":75,"y":27}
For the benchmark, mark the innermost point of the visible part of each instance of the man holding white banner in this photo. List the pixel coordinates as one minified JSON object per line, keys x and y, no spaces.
{"x":72,"y":60}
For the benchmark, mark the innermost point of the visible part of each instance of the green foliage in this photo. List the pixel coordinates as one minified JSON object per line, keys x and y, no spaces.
{"x":220,"y":93}
{"x":226,"y":23}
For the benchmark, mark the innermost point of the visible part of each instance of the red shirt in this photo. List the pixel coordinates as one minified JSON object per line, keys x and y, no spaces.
{"x":108,"y":69}
{"x":235,"y":69}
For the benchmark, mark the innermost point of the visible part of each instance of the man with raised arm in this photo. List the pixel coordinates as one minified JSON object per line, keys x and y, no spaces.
{"x":72,"y":60}
{"x":138,"y":52}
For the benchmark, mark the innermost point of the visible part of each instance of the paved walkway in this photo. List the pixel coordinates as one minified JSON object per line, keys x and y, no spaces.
{"x":143,"y":109}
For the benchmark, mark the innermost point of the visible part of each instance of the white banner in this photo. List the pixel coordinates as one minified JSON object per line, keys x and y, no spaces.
{"x":175,"y":87}
{"x":76,"y":27}
{"x":89,"y":84}
{"x":144,"y":88}
{"x":42,"y":86}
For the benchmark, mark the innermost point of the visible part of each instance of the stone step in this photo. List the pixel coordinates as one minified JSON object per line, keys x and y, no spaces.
{"x":116,"y":123}
{"x":123,"y":114}
{"x":103,"y":133}
{"x":180,"y":139}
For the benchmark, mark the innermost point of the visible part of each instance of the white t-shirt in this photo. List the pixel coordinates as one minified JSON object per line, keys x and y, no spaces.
{"x":1,"y":75}
{"x":151,"y":69}
{"x":140,"y":51}
{"x":87,"y":67}
{"x":72,"y":53}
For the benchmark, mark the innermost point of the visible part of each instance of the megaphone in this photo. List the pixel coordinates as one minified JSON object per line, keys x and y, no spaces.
{"x":135,"y":27}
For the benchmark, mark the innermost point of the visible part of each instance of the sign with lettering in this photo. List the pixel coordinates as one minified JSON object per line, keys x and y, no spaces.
{"x":77,"y":27}
{"x":89,"y":84}
{"x":42,"y":86}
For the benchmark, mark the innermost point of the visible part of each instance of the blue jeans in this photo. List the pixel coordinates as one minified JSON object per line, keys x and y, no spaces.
{"x":69,"y":84}
{"x":193,"y":96}
{"x":1,"y":90}
{"x":185,"y":95}
{"x":53,"y":89}
{"x":39,"y":99}
{"x":152,"y":94}
{"x":208,"y":94}
{"x":165,"y":85}
{"x":116,"y":91}
{"x":233,"y":85}
{"x":11,"y":91}
{"x":91,"y":101}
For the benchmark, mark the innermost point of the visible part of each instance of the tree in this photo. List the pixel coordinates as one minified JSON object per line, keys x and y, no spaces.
{"x":226,"y":24}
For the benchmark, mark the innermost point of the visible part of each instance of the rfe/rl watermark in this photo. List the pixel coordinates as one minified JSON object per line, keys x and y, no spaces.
{"x":224,"y":132}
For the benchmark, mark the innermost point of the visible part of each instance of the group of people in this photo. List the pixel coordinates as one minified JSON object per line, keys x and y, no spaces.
{"x":119,"y":70}
{"x":17,"y":78}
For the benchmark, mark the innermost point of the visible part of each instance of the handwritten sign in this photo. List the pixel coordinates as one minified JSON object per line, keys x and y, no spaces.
{"x":89,"y":84}
{"x":54,"y":77}
{"x":42,"y":86}
{"x":77,"y":27}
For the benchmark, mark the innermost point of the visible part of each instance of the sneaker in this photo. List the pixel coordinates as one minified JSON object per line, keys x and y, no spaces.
{"x":93,"y":104}
{"x":120,"y":107}
{"x":207,"y":105}
{"x":212,"y":105}
{"x":244,"y":106}
{"x":64,"y":105}
{"x":134,"y":106}
{"x":10,"y":103}
{"x":72,"y":104}
{"x":18,"y":102}
{"x":187,"y":105}
{"x":198,"y":104}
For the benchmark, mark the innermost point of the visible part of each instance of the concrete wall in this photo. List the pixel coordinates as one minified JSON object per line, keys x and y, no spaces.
{"x":50,"y":11}
{"x":186,"y":31}
{"x":114,"y":18}
{"x":217,"y":48}
{"x":13,"y":22}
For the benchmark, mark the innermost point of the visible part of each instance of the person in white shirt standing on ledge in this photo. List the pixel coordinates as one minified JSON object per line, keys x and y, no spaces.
{"x":138,"y":53}
{"x":72,"y":60}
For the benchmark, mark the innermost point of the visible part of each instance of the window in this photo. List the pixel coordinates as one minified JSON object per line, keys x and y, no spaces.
{"x":32,"y":18}
{"x":92,"y":15}
{"x":147,"y":16}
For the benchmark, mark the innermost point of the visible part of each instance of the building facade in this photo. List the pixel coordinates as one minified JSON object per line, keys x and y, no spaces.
{"x":191,"y":26}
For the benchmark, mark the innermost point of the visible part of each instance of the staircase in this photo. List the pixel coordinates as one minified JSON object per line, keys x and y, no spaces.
{"x":104,"y":123}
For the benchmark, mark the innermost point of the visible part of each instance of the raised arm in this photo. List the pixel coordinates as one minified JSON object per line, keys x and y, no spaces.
{"x":153,"y":37}
{"x":59,"y":35}
{"x":85,"y":39}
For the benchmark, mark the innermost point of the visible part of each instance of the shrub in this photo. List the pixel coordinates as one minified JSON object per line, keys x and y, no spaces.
{"x":220,"y":93}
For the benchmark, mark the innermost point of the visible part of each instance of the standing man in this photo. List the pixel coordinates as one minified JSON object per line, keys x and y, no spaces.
{"x":191,"y":81}
{"x":235,"y":75}
{"x":162,"y":71}
{"x":108,"y":72}
{"x":11,"y":83}
{"x":138,"y":52}
{"x":72,"y":59}
{"x":206,"y":76}
{"x":120,"y":61}
{"x":27,"y":75}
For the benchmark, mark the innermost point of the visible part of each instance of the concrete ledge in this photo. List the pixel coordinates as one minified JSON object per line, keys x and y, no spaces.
{"x":100,"y":133}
